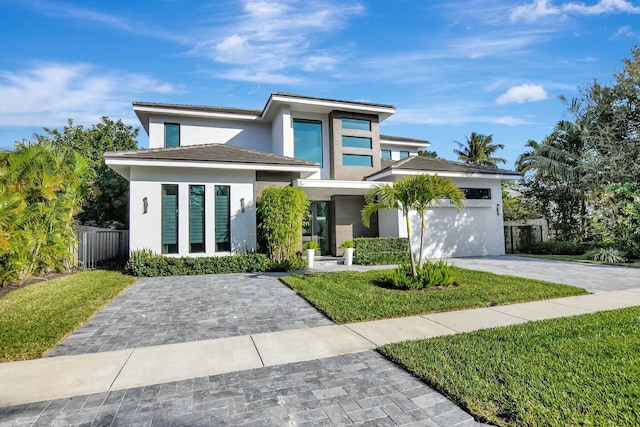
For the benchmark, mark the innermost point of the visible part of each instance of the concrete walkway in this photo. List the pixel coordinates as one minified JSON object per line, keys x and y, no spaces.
{"x":66,"y":376}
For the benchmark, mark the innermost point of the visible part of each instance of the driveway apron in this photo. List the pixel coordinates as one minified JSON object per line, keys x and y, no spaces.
{"x":168,"y":310}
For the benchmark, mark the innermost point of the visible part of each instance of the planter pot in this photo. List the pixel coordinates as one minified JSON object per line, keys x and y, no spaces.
{"x":311,"y":253}
{"x":348,"y":256}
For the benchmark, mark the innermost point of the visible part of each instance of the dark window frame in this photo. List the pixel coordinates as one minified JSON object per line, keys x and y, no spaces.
{"x":165,"y":134}
{"x":170,"y":248}
{"x":476,"y":193}
{"x":198,"y":247}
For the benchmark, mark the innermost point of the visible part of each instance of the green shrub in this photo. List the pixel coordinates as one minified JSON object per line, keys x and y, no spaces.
{"x":311,"y":244}
{"x":347,"y":244}
{"x":381,"y":250}
{"x":431,"y":274}
{"x":147,"y":264}
{"x":608,"y":255}
{"x":557,"y":247}
{"x":297,"y":263}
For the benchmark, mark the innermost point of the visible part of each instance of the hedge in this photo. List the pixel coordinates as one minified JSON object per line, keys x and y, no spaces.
{"x":146,"y":265}
{"x":381,"y":250}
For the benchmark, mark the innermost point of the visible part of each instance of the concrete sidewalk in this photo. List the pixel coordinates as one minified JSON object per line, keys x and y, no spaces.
{"x":66,"y":376}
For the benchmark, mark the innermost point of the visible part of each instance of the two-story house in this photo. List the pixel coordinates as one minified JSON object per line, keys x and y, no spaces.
{"x":193,"y":192}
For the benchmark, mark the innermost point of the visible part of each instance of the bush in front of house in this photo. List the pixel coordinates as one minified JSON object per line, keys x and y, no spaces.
{"x":146,"y":264}
{"x":558,"y":247}
{"x":429,"y":275}
{"x":381,"y":250}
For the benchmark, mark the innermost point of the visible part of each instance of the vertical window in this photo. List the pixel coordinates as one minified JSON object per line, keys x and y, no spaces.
{"x":169,"y":219}
{"x":223,"y":218}
{"x":385,"y":154}
{"x":404,"y":154}
{"x":307,"y":140}
{"x":356,"y":124}
{"x":171,"y":135}
{"x":196,"y":219}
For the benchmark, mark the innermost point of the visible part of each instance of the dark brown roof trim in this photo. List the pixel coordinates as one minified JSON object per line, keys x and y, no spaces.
{"x":404,"y":139}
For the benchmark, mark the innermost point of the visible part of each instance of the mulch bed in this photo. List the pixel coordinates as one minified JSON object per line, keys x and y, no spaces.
{"x":31,"y":280}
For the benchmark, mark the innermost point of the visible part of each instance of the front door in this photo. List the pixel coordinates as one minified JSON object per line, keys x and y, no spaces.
{"x":318,"y":227}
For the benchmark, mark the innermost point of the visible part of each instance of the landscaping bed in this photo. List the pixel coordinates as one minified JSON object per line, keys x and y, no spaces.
{"x":35,"y":318}
{"x":580,"y":370}
{"x":354,"y":296}
{"x":580,"y":258}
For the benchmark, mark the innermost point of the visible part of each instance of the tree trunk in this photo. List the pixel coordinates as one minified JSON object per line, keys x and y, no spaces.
{"x":420,"y":259}
{"x":414,"y":273}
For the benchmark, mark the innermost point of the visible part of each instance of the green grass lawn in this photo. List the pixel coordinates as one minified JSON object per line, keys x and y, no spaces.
{"x":35,"y":318}
{"x":581,"y":370}
{"x":578,"y":258}
{"x":353,"y":296}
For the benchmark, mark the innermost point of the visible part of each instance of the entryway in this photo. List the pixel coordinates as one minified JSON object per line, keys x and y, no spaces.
{"x":318,"y":228}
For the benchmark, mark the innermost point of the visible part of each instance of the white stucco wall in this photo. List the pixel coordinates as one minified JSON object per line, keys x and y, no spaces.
{"x":248,"y":134}
{"x":146,"y":228}
{"x":474,"y":231}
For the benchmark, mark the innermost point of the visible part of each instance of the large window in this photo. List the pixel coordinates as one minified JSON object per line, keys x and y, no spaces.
{"x":385,"y":154}
{"x":169,"y":219}
{"x":404,"y":154}
{"x":171,"y":135}
{"x":477,"y":193}
{"x":307,"y":140}
{"x":196,"y":219}
{"x":223,"y":218}
{"x":356,"y":124}
{"x":356,"y":142}
{"x":357,"y":160}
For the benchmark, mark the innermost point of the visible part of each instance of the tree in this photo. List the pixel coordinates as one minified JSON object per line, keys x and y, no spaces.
{"x":41,"y":190}
{"x":418,"y":192}
{"x":478,"y":150}
{"x":108,"y":202}
{"x":428,"y":153}
{"x":281,"y":215}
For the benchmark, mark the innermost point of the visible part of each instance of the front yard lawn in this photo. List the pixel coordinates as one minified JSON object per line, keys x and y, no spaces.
{"x":35,"y":318}
{"x":353,"y":296}
{"x":580,"y":370}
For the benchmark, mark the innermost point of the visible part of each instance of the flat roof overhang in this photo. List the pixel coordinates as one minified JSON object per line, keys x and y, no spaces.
{"x":317,"y":189}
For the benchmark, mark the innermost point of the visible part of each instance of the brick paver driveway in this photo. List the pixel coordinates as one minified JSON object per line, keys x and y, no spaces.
{"x":592,"y":277}
{"x":167,"y":310}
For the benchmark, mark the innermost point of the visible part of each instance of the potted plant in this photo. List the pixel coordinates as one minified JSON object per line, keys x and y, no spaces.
{"x":349,"y":248}
{"x":310,"y":247}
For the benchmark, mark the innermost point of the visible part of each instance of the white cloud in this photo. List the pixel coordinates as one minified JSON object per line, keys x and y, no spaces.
{"x":47,"y":94}
{"x":544,"y":8}
{"x":521,"y":94}
{"x":274,"y":35}
{"x":625,"y":31}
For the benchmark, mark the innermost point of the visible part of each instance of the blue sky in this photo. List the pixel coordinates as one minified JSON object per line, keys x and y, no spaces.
{"x":450,"y":67}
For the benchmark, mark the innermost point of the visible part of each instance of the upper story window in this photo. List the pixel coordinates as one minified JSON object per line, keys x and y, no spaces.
{"x":356,"y":142}
{"x":307,"y":140}
{"x":357,"y":160}
{"x":385,"y":154}
{"x":171,"y":135}
{"x":404,"y":154}
{"x":477,"y":193}
{"x":356,"y":124}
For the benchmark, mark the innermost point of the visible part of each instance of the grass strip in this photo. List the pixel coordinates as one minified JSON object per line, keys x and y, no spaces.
{"x":353,"y":296}
{"x":578,"y":258}
{"x":36,"y":318}
{"x":580,"y":370}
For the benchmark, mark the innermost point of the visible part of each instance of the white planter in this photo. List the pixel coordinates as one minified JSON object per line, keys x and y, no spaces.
{"x":311,"y":254}
{"x":348,"y":256}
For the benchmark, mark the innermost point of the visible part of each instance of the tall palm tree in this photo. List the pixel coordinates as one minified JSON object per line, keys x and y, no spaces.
{"x":478,"y":150}
{"x":417,"y":192}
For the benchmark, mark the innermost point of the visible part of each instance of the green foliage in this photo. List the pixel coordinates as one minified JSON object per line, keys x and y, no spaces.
{"x":617,"y":215}
{"x":311,"y":244}
{"x":297,"y":263}
{"x":352,"y":296}
{"x":108,"y":202}
{"x":478,"y":150}
{"x":381,"y":250}
{"x":41,"y":190}
{"x":607,"y":255}
{"x":430,"y":274}
{"x":428,"y":153}
{"x":348,"y":244}
{"x":146,"y":264}
{"x":35,"y":318}
{"x":281,"y":214}
{"x":558,"y":247}
{"x":574,"y":371}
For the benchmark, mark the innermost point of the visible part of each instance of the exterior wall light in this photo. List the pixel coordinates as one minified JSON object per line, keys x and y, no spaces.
{"x":145,"y":205}
{"x":498,"y":209}
{"x":242,"y":204}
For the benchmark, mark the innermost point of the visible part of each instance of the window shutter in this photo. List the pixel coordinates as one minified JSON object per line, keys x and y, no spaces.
{"x":169,"y":214}
{"x":222,"y":208}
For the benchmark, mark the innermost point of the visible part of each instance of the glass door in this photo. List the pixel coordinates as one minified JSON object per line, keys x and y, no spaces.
{"x":318,"y":227}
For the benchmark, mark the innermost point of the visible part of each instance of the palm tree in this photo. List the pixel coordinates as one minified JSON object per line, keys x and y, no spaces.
{"x":418,"y":192}
{"x":478,"y":150}
{"x":431,"y":191}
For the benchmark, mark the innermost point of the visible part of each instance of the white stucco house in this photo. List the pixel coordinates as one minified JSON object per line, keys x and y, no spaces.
{"x":193,"y":192}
